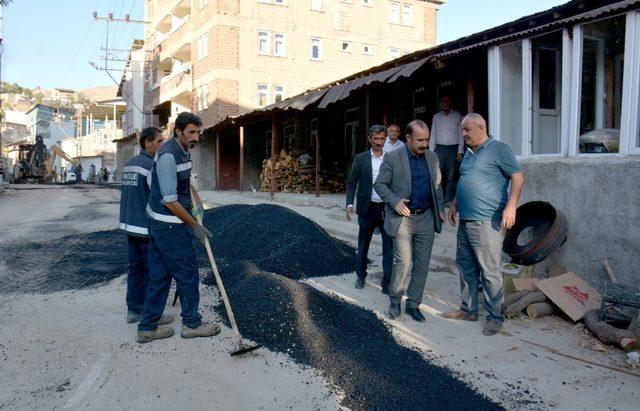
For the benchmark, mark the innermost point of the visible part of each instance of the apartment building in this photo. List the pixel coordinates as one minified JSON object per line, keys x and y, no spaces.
{"x":221,"y":58}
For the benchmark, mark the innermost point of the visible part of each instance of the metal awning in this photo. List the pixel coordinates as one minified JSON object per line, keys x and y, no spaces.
{"x":298,"y":102}
{"x":341,"y":91}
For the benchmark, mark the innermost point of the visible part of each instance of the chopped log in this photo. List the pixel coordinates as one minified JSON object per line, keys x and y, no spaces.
{"x":523,"y":302}
{"x":606,"y":333}
{"x":509,"y":298}
{"x":538,"y":310}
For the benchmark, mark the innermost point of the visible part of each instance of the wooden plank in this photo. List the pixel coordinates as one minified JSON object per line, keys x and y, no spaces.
{"x":584,"y":360}
{"x":612,"y":275}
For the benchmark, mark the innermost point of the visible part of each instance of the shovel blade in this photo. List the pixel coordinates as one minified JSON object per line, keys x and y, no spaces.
{"x":243,"y":349}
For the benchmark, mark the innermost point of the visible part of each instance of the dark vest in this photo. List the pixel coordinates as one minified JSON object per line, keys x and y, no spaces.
{"x":155,"y":209}
{"x":135,"y":194}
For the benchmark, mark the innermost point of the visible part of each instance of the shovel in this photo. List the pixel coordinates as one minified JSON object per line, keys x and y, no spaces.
{"x":241,"y":347}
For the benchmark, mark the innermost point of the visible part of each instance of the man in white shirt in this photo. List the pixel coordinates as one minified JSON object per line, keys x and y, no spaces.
{"x":392,"y":142}
{"x":448,"y":144}
{"x":369,"y":207}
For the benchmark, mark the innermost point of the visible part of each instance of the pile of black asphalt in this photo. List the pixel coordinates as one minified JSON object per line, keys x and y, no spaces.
{"x":274,"y":239}
{"x":71,"y":262}
{"x":263,"y":252}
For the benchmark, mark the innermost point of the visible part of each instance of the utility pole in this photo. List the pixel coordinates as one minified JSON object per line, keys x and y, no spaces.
{"x":2,"y":119}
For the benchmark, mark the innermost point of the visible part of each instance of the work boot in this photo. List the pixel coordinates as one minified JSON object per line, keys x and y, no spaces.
{"x":157,"y":334}
{"x":394,"y":311}
{"x":460,"y":315}
{"x":359,"y":282}
{"x":204,"y":330}
{"x":491,"y":327}
{"x":415,"y":314}
{"x":134,"y":318}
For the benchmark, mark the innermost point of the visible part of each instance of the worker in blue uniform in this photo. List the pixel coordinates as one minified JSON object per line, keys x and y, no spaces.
{"x":134,"y":195}
{"x":171,"y":232}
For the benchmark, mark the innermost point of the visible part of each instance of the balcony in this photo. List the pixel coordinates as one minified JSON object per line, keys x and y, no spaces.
{"x":177,"y":44}
{"x":181,"y":8}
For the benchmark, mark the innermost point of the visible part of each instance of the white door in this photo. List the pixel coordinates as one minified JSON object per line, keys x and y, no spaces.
{"x":547,"y":103}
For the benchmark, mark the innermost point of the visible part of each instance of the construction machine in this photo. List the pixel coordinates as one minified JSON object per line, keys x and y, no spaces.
{"x":36,"y":164}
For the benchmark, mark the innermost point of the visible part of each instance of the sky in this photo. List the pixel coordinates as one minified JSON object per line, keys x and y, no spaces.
{"x":49,"y":43}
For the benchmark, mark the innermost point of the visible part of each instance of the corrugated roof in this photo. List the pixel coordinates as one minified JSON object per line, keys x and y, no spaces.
{"x":341,"y":91}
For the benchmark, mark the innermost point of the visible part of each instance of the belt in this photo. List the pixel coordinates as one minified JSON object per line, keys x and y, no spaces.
{"x":374,"y":204}
{"x":418,"y":211}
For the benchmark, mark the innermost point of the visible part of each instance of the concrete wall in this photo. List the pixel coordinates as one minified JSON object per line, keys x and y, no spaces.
{"x":204,"y":163}
{"x":601,"y":200}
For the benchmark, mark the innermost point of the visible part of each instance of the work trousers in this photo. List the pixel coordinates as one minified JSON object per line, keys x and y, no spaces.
{"x":412,"y":250}
{"x":478,"y":257}
{"x":368,"y":224}
{"x":138,"y":277}
{"x":171,"y":255}
{"x":449,"y":168}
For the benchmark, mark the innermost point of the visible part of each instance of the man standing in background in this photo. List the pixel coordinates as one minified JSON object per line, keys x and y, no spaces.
{"x":392,"y":142}
{"x":369,"y":207}
{"x":447,"y":142}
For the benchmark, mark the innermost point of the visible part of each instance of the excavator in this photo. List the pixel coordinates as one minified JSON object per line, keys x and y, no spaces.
{"x":35,"y":164}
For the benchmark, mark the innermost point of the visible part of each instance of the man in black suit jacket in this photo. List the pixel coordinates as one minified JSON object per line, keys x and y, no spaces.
{"x":369,"y":206}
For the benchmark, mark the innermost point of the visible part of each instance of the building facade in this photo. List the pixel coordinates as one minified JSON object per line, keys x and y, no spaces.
{"x":131,"y":90}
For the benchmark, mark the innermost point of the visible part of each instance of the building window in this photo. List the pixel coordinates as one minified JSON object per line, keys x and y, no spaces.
{"x":367,"y":2}
{"x":281,"y":2}
{"x":316,"y":5}
{"x":601,"y":95}
{"x":346,"y":46}
{"x":202,"y":97}
{"x":203,"y":46}
{"x":407,"y":18}
{"x":316,"y":48}
{"x":279,"y":45}
{"x":263,"y":43}
{"x":203,"y":3}
{"x":278,"y":93}
{"x":395,"y":53}
{"x":394,"y":16}
{"x":263,"y":93}
{"x":367,"y":49}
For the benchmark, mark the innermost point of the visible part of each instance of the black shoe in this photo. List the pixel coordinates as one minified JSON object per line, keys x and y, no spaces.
{"x":359,"y":282}
{"x":415,"y":314}
{"x":394,"y":311}
{"x":385,"y":289}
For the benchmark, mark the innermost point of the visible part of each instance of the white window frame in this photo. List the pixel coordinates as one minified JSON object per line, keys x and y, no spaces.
{"x":364,"y":51}
{"x":203,"y":46}
{"x":276,"y":92}
{"x":407,"y":18}
{"x":283,"y":51}
{"x":316,"y":5}
{"x":319,"y":43}
{"x":203,"y":97}
{"x":368,"y":3}
{"x":633,"y":31}
{"x":526,"y":122}
{"x":345,"y":50}
{"x":266,"y":94}
{"x":627,"y":123}
{"x":267,"y":38}
{"x":395,"y":16}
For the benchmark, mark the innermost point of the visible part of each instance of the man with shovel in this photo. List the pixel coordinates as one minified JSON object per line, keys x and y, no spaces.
{"x":171,"y":232}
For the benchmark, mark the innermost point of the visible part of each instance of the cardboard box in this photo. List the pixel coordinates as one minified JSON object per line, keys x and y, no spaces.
{"x":571,"y":294}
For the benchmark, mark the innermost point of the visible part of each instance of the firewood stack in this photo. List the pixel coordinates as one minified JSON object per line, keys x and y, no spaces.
{"x":292,"y":177}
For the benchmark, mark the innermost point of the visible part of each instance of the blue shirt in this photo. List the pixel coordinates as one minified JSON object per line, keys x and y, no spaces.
{"x":420,"y":179}
{"x":482,"y":191}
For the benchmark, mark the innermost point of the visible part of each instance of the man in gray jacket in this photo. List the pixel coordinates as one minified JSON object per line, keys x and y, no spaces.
{"x":409,"y":184}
